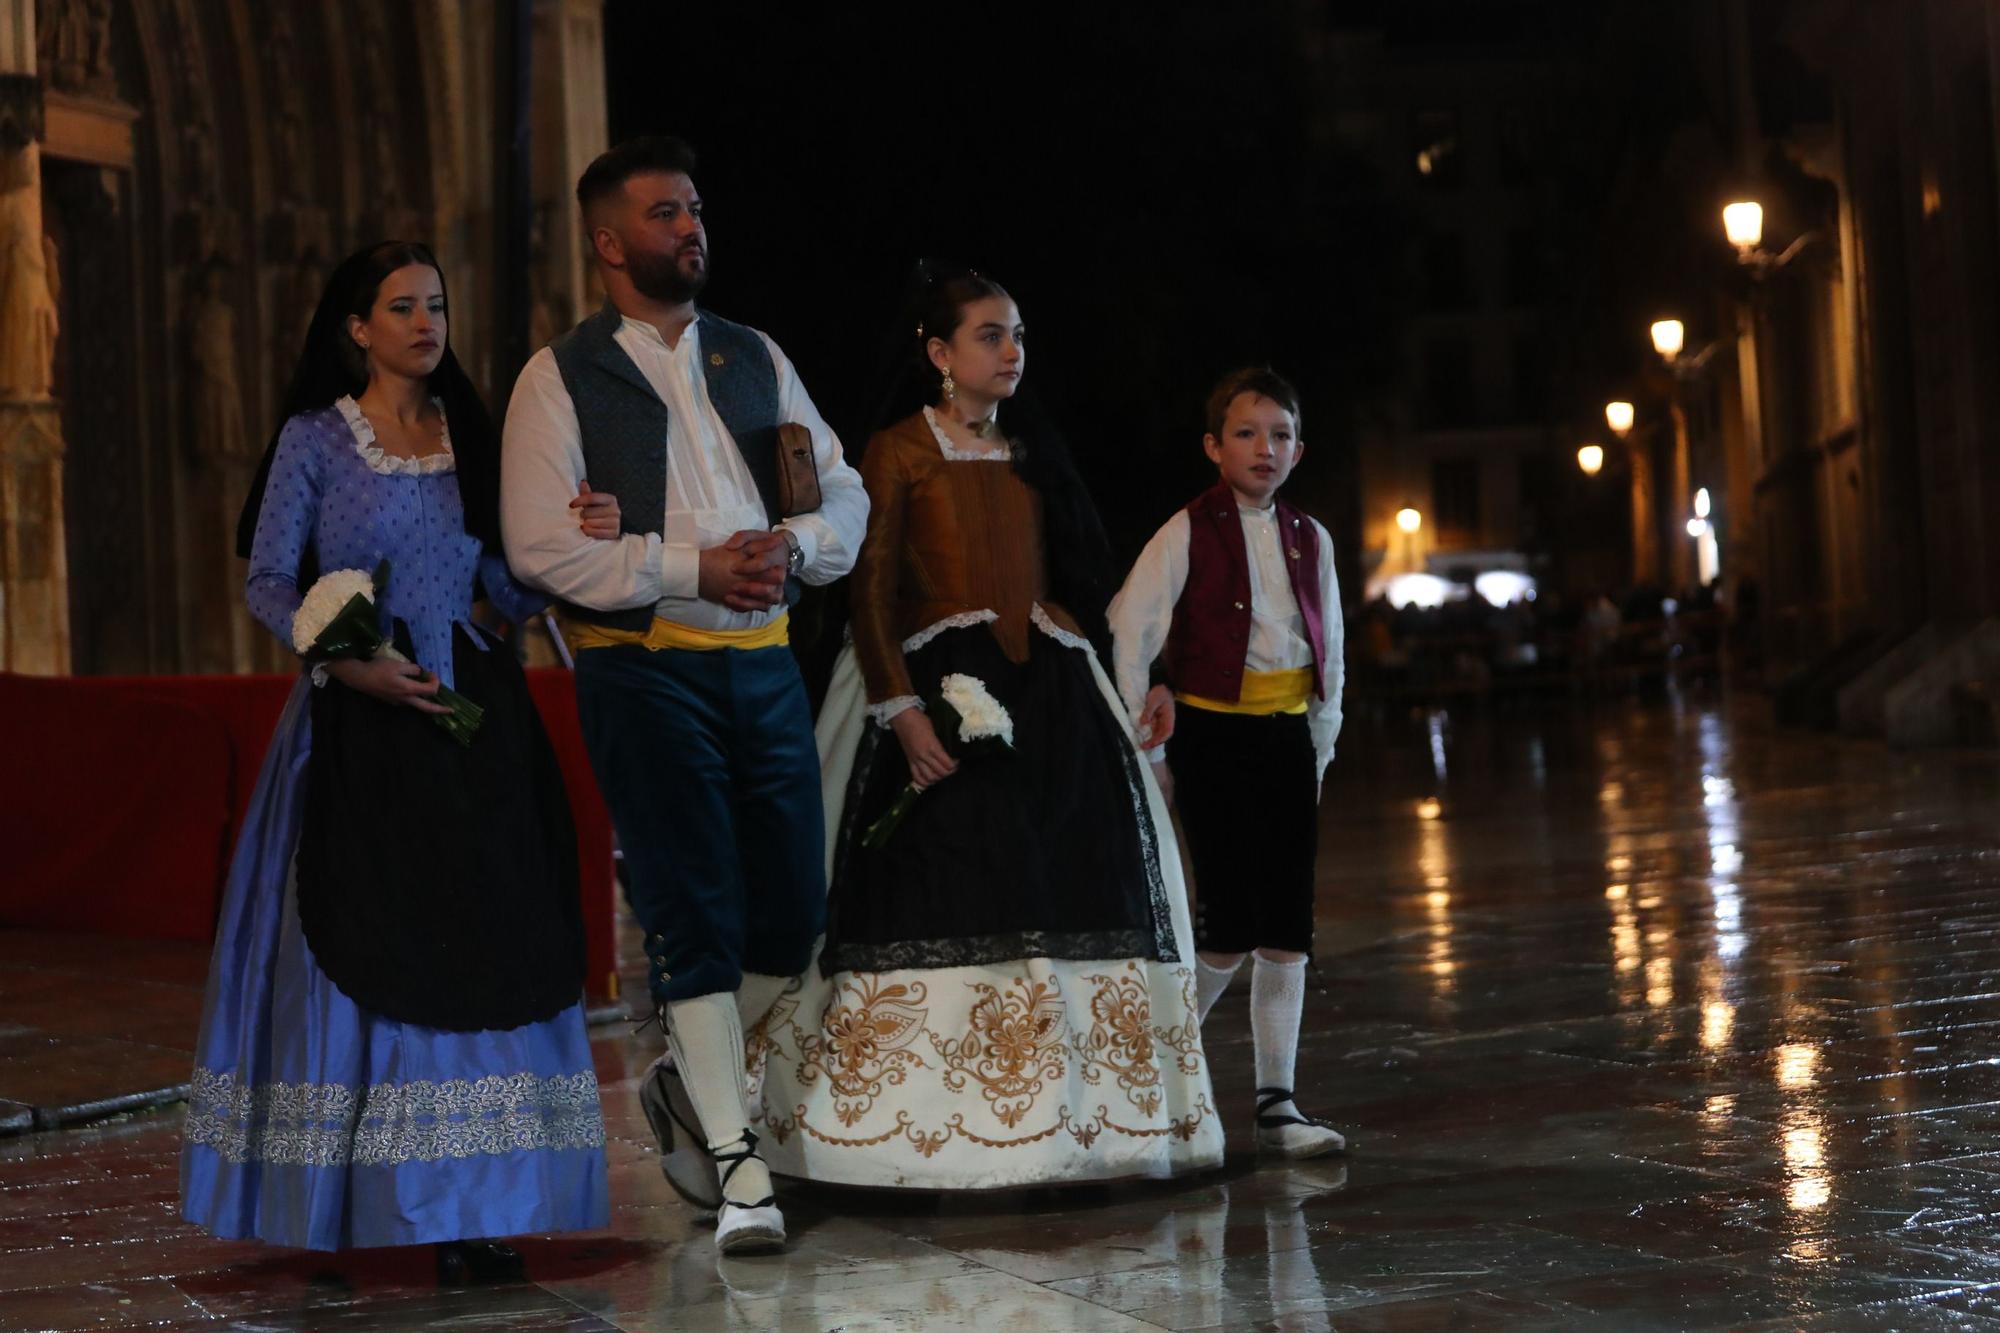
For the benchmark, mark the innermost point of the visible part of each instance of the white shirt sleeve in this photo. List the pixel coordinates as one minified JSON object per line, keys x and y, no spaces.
{"x":541,"y":465}
{"x":1143,"y":612}
{"x":830,"y":536}
{"x":1324,"y":715}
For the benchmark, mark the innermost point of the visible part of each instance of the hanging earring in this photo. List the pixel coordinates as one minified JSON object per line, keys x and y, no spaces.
{"x":950,"y":389}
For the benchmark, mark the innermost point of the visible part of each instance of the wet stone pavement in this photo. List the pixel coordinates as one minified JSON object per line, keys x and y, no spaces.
{"x":1646,"y":1017}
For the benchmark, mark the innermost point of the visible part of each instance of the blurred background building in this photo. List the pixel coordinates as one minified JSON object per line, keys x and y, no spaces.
{"x":1486,"y":224}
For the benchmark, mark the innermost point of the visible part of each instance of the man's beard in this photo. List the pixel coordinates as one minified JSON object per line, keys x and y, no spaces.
{"x":659,"y":278}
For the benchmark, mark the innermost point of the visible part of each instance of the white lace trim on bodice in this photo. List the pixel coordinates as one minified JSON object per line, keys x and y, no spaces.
{"x":959,"y":621}
{"x":391,"y":465}
{"x":997,"y":453}
{"x":888,"y":708}
{"x":1048,"y":626}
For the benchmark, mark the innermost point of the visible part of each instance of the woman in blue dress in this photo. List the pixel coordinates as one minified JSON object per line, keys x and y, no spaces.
{"x":392,"y":1048}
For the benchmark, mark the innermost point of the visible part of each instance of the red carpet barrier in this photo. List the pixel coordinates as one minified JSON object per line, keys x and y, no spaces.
{"x":122,"y":796}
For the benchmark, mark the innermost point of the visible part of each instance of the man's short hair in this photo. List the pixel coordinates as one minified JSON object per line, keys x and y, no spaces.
{"x":606,"y":176}
{"x":1260,"y":380}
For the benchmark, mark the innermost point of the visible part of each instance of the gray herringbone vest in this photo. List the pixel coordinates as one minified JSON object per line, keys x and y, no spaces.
{"x":624,"y":423}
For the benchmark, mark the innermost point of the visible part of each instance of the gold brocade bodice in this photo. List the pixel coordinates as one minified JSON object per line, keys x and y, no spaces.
{"x":946,"y":537}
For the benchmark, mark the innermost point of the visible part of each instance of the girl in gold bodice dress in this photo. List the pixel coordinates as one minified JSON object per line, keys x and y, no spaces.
{"x":1004,"y":996}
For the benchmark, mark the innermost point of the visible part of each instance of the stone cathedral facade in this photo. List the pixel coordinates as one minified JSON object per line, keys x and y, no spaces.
{"x":177,"y":179}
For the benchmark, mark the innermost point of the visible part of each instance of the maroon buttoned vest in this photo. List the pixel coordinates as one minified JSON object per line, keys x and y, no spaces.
{"x":1210,"y":636}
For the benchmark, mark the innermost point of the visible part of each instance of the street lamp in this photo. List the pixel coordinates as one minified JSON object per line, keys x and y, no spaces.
{"x":1590,"y":458}
{"x":1409,"y":520}
{"x":1669,"y":336}
{"x":1743,"y":224}
{"x":1701,"y":503}
{"x":1619,"y":416}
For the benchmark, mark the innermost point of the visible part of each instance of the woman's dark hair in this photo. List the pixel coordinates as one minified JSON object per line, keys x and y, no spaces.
{"x":1077,"y":549}
{"x":331,"y":366}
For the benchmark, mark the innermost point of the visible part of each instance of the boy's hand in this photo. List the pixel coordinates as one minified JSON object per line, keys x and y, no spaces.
{"x":1156,"y":718}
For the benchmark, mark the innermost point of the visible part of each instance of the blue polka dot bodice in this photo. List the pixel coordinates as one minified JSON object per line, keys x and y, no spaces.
{"x":333,"y":489}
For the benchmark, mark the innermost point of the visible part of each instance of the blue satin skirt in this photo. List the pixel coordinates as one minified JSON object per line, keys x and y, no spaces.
{"x":316,"y":1124}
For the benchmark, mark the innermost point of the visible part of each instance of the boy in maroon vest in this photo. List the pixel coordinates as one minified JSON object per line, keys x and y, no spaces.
{"x":1238,"y":590}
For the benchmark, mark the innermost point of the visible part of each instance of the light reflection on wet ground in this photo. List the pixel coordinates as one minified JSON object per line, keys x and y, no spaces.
{"x":1643,"y":1018}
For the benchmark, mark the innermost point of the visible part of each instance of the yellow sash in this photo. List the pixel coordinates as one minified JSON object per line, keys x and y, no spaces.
{"x":671,"y":634}
{"x":1264,"y":693}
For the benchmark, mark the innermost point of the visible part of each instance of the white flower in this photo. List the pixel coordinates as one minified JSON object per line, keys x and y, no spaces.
{"x":325,"y":600}
{"x":980,"y":715}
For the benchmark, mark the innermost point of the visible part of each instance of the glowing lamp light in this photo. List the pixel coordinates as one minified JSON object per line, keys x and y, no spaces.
{"x":1743,"y":224}
{"x":1590,"y":458}
{"x":1619,"y":416}
{"x":1409,"y":520}
{"x":1427,"y":591}
{"x":1504,"y":587}
{"x":1701,"y":503}
{"x":1669,"y":336}
{"x":1697,"y":526}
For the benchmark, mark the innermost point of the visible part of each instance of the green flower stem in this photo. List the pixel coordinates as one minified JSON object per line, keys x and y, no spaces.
{"x":884,"y":828}
{"x":463,"y":721}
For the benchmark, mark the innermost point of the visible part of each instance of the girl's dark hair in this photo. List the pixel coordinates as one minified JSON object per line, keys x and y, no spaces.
{"x":1078,"y":551}
{"x":331,"y":366}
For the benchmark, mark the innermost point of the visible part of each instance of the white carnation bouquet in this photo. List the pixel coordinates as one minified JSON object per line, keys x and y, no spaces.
{"x":966,"y":712}
{"x":336,"y":621}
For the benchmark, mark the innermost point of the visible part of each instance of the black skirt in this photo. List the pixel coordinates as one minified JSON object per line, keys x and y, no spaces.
{"x":1044,"y":851}
{"x":437,"y":882}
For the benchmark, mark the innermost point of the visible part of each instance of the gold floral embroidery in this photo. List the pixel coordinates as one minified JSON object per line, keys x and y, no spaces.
{"x":1014,"y":1046}
{"x":1121,"y":1039}
{"x":863,"y":1041}
{"x":1184,"y":1038}
{"x":1019,"y":1040}
{"x":1085,"y":1132}
{"x":760,"y":1043}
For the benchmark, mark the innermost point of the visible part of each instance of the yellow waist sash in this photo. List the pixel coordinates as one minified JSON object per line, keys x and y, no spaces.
{"x":671,"y":634}
{"x":1264,"y":693}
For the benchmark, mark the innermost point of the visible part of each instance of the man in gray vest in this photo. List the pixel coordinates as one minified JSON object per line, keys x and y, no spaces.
{"x":692,"y":706}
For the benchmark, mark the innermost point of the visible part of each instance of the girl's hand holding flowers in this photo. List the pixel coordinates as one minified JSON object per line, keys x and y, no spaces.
{"x":971,"y":715}
{"x":930,"y":762}
{"x":336,"y":627}
{"x":391,"y":681}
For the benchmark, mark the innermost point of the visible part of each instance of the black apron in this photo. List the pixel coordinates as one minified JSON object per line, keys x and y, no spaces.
{"x":437,"y":882}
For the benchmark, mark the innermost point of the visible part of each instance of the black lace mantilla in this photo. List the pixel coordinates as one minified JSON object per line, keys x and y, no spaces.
{"x":887,"y":927}
{"x":985,"y":950}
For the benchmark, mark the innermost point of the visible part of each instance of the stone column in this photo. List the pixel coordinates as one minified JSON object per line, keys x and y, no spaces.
{"x":571,"y":126}
{"x":34,"y":564}
{"x":1645,"y":511}
{"x":1680,"y":566}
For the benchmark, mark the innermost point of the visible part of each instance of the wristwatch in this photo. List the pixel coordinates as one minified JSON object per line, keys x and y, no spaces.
{"x":795,"y":560}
